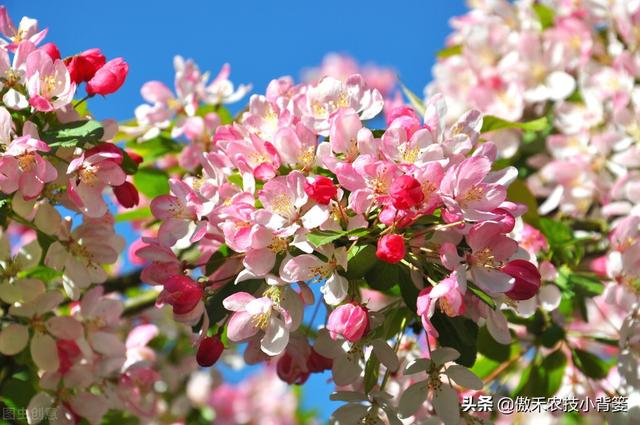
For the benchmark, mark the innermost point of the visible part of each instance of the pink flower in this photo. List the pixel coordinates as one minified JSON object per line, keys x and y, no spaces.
{"x":48,"y":82}
{"x":350,"y":321}
{"x":27,"y":30}
{"x":448,"y":295}
{"x":91,"y":173}
{"x":406,"y":192}
{"x":22,"y":168}
{"x":472,"y":192}
{"x":308,"y":267}
{"x":252,"y":315}
{"x":182,"y":293}
{"x":322,"y":190}
{"x":108,"y":78}
{"x":324,"y":99}
{"x":391,"y":248}
{"x":489,"y":249}
{"x":82,"y":67}
{"x":209,"y":351}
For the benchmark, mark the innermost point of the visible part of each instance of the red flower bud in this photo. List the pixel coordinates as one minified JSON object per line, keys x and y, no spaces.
{"x":182,"y":293}
{"x":527,"y":279}
{"x":406,"y":192}
{"x":209,"y":351}
{"x":83,"y":67}
{"x":317,"y":362}
{"x":109,"y":78}
{"x":51,"y":50}
{"x":391,"y":248}
{"x":322,"y":190}
{"x":290,"y":371}
{"x":127,"y":195}
{"x":138,"y":159}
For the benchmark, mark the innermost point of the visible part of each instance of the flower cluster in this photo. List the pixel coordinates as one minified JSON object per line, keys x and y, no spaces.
{"x":64,"y":337}
{"x":296,"y":202}
{"x":571,"y":69}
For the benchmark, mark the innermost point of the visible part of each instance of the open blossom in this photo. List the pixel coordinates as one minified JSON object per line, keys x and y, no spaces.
{"x":84,"y":251}
{"x":48,"y":82}
{"x":328,"y":96}
{"x":274,"y":316}
{"x":448,"y":295}
{"x":308,"y":267}
{"x":27,"y":30}
{"x":91,"y":173}
{"x":23,"y":169}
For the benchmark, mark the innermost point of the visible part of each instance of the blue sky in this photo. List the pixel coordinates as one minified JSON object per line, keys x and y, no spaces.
{"x":261,"y":40}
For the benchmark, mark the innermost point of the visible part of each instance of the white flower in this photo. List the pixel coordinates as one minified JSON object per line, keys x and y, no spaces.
{"x":444,"y":397}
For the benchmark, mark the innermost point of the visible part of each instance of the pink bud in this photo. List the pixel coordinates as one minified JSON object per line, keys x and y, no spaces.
{"x":527,"y":279}
{"x":127,"y":195}
{"x":51,"y":50}
{"x":83,"y":67}
{"x":391,"y":248}
{"x":322,"y":190}
{"x":209,"y":351}
{"x":349,"y":321}
{"x":182,"y":293}
{"x":109,"y":78}
{"x":406,"y":192}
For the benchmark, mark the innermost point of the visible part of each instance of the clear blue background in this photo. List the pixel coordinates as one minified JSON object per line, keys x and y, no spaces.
{"x":261,"y":40}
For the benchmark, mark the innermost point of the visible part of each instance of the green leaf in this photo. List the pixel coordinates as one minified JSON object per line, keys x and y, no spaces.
{"x":362,"y":258}
{"x":415,"y":101}
{"x":217,"y":259}
{"x":484,"y":297}
{"x":519,"y":192}
{"x":556,"y":232}
{"x":408,"y":289}
{"x":492,"y":349}
{"x":552,"y":335}
{"x":545,"y":14}
{"x":323,"y":237}
{"x":553,"y":366}
{"x":371,"y":372}
{"x":590,"y":364}
{"x":129,"y":166}
{"x":151,"y":182}
{"x":454,"y":50}
{"x":459,"y":333}
{"x":133,"y":215}
{"x":152,"y":149}
{"x":41,"y":272}
{"x":383,"y":276}
{"x":73,"y":133}
{"x":493,"y":123}
{"x":582,"y":283}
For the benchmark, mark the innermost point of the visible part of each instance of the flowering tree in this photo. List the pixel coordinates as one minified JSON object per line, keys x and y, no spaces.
{"x":484,"y":241}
